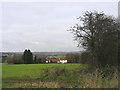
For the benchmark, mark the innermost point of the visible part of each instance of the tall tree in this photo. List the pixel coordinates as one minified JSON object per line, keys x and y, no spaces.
{"x":30,"y":57}
{"x":119,"y":40}
{"x":27,"y":57}
{"x":35,"y":59}
{"x":98,"y":35}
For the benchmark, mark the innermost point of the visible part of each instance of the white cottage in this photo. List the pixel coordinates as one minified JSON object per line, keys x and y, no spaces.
{"x":62,"y":60}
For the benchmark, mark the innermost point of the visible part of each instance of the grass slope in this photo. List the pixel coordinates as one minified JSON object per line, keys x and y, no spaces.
{"x":32,"y":71}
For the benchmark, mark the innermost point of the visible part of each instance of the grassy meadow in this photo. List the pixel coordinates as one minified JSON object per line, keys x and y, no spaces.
{"x":57,"y":76}
{"x":26,"y":73}
{"x":33,"y":71}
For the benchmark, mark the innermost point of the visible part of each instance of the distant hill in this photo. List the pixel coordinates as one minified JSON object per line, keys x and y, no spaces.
{"x":42,"y":53}
{"x":52,"y":53}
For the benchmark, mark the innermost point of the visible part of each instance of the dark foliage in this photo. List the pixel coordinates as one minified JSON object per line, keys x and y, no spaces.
{"x":27,"y":57}
{"x":16,"y":59}
{"x":73,"y":57}
{"x":98,"y":35}
{"x":35,"y":59}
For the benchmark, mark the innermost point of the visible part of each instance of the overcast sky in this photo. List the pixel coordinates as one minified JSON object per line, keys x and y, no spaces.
{"x":43,"y":27}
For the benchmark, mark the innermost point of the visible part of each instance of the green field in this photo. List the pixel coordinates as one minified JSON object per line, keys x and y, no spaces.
{"x":22,"y":75}
{"x":56,"y":76}
{"x":19,"y":71}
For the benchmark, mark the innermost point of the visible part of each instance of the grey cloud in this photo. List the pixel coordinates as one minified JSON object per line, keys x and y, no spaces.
{"x":43,"y":26}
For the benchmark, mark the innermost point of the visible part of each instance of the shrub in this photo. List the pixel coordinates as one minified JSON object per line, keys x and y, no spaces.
{"x":73,"y":58}
{"x":106,"y":77}
{"x":17,"y":59}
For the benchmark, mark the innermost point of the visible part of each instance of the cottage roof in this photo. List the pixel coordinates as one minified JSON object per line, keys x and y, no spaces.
{"x":54,"y":59}
{"x":62,"y":58}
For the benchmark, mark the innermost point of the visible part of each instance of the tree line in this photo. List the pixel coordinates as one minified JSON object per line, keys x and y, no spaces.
{"x":73,"y":57}
{"x":26,"y":58}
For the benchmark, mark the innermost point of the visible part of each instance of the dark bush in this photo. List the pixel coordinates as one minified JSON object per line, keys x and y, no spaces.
{"x":73,"y":57}
{"x":17,"y":59}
